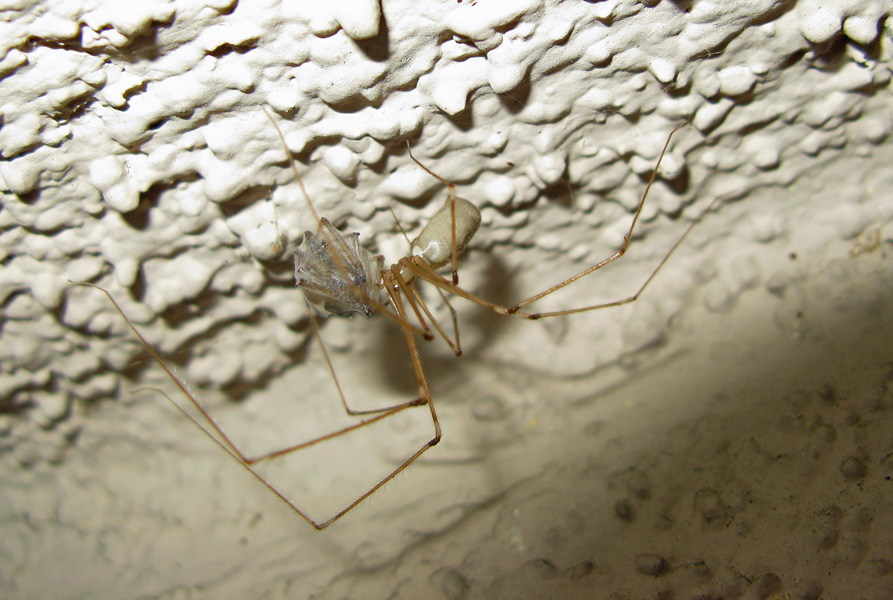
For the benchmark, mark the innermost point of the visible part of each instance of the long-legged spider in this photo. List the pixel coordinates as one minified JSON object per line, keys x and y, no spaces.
{"x":339,"y":276}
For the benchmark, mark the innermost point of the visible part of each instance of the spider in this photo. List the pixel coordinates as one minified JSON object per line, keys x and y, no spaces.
{"x":339,"y":277}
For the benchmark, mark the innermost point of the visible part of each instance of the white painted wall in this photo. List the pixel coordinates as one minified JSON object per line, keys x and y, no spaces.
{"x":584,"y":453}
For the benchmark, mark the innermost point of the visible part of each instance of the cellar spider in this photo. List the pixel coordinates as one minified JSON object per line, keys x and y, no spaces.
{"x":340,"y":277}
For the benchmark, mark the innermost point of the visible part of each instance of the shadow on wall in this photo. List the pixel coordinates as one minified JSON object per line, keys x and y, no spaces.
{"x":758,"y":461}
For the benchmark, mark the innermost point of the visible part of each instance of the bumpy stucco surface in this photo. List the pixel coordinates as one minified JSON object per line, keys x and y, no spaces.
{"x":725,"y":436}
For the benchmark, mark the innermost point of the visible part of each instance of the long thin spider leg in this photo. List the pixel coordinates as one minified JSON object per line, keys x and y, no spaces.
{"x":424,"y":391}
{"x":253,"y":460}
{"x":455,"y":318}
{"x":425,"y":273}
{"x":238,"y":460}
{"x":422,"y":332}
{"x":424,"y":394}
{"x":237,"y":456}
{"x":451,"y":195}
{"x":645,"y":284}
{"x":248,"y":463}
{"x":413,"y":296}
{"x":404,"y":287}
{"x":350,"y":411}
{"x":415,"y":301}
{"x":151,"y":350}
{"x":294,"y":167}
{"x":386,"y":411}
{"x":626,"y":238}
{"x":217,"y":434}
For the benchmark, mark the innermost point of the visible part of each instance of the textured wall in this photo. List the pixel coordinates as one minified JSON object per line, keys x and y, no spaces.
{"x":708,"y":439}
